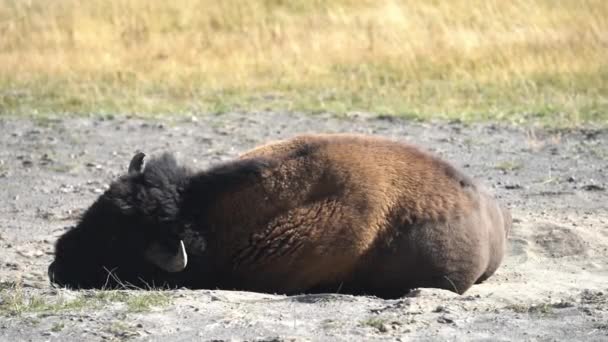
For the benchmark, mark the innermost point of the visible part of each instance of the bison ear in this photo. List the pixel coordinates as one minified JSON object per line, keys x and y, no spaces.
{"x":137,"y":163}
{"x":166,"y":260}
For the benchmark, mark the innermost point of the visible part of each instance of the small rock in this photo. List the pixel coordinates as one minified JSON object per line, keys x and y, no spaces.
{"x":26,"y":254}
{"x":563,"y":304}
{"x":46,"y":215}
{"x":46,"y":159}
{"x":445,"y":320}
{"x":591,"y":134}
{"x":12,"y":266}
{"x":512,"y":186}
{"x":571,"y":179}
{"x":66,"y":188}
{"x":439,"y":309}
{"x":593,"y":187}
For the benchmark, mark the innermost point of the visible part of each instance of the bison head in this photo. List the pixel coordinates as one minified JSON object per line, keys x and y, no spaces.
{"x":130,"y":235}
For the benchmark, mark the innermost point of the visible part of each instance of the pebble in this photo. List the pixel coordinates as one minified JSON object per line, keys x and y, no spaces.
{"x":12,"y":266}
{"x":30,"y":254}
{"x":445,"y":320}
{"x":593,"y":187}
{"x":513,"y":186}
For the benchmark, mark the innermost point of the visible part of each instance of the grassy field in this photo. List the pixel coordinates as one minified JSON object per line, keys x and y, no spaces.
{"x":520,"y":60}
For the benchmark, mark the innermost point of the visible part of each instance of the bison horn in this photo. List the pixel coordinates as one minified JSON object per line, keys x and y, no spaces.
{"x":162,"y":258}
{"x":137,"y":163}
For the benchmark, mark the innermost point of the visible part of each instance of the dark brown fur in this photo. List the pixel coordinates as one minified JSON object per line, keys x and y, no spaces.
{"x":359,"y":214}
{"x":347,"y":213}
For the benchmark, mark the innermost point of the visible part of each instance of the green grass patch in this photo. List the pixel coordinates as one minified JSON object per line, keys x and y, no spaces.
{"x":15,"y":301}
{"x":557,"y":105}
{"x":140,"y":302}
{"x":509,"y":165}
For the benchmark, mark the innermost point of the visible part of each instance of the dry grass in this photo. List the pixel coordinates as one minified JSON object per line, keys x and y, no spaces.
{"x":512,"y":60}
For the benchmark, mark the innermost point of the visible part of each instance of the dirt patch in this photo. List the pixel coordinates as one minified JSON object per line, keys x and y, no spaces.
{"x":555,"y":272}
{"x":556,"y":242}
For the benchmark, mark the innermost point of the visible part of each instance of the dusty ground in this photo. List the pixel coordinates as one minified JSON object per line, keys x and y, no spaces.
{"x":552,"y":286}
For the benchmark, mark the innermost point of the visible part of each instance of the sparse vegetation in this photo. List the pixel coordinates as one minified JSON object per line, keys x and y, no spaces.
{"x":540,"y":309}
{"x":601,"y":326}
{"x":15,"y":301}
{"x":378,"y":323}
{"x":329,"y":324}
{"x":148,"y":301}
{"x":509,"y":165}
{"x":512,"y":60}
{"x":57,"y":327}
{"x":121,"y":330}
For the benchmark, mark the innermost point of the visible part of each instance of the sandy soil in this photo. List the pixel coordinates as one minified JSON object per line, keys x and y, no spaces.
{"x":553,"y":284}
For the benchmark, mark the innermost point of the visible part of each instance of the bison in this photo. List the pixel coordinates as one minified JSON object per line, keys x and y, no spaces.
{"x":316,"y":213}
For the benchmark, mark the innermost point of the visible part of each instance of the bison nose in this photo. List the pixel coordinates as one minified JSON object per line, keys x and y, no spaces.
{"x":53,"y":274}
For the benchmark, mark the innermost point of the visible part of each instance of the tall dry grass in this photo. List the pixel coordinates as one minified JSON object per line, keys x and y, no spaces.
{"x":461,"y":58}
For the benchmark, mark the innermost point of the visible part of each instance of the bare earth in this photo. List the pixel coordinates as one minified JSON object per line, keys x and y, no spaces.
{"x":553,"y":284}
